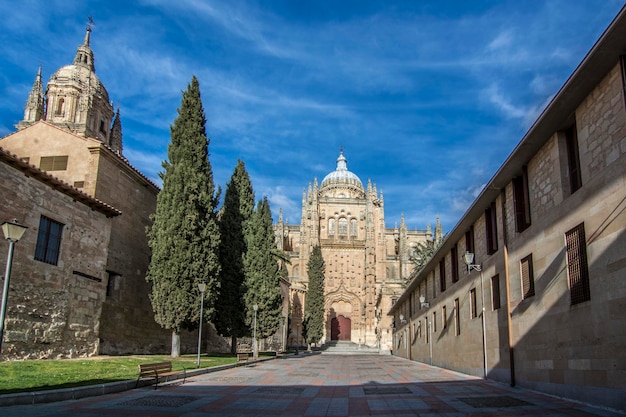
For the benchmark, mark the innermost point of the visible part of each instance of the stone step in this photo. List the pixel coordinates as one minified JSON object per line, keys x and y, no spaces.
{"x":348,"y":348}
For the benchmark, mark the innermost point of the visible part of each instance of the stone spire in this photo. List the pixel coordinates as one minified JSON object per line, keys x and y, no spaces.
{"x":438,"y":231}
{"x":116,"y":134}
{"x":84,"y":54}
{"x":33,"y":111}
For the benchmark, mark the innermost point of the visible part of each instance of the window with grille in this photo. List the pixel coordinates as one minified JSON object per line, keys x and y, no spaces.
{"x":472,"y":303}
{"x":491,"y":229}
{"x":48,"y":241}
{"x":454,"y":260}
{"x":53,"y":163}
{"x":577,"y":269}
{"x":442,"y":275}
{"x":343,"y":226}
{"x":528,"y":280}
{"x":444,"y":316}
{"x":521,"y":201}
{"x":495,"y":292}
{"x":457,"y":318}
{"x":434,"y":321}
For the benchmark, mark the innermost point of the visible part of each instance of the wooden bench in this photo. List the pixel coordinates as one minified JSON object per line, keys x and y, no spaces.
{"x":158,"y":370}
{"x":243,"y":356}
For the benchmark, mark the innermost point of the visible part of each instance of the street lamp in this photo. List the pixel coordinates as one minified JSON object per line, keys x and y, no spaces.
{"x":255,"y":348}
{"x":202,"y":288}
{"x":13,"y":231}
{"x":469,"y":261}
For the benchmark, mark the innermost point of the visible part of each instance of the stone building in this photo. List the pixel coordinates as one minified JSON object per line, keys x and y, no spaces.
{"x":59,"y":277}
{"x":72,"y":132}
{"x":542,"y":305}
{"x":367,"y":264}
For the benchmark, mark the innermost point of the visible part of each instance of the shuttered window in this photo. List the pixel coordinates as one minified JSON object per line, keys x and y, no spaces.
{"x":442,"y":275}
{"x":454,"y":260}
{"x":577,"y":269}
{"x":528,"y":280}
{"x":472,"y":302}
{"x":469,"y":240}
{"x":495,"y":292}
{"x":521,"y":201}
{"x":53,"y":163}
{"x":491,"y":229}
{"x":457,"y":318}
{"x":573,"y":159}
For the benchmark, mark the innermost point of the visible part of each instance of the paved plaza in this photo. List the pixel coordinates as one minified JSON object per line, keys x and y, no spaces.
{"x":322,"y":385}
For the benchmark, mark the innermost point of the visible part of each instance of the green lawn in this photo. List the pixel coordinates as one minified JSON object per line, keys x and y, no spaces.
{"x":32,"y":375}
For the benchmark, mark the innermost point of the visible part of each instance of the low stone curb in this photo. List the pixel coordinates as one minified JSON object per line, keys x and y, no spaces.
{"x":64,"y":394}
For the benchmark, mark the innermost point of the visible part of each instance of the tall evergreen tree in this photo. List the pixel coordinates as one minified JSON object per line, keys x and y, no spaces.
{"x":234,"y":227}
{"x":184,"y":236}
{"x":313,"y":326}
{"x":262,"y":282}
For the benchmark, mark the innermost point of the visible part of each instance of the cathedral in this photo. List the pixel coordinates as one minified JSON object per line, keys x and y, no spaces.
{"x":367,"y":264}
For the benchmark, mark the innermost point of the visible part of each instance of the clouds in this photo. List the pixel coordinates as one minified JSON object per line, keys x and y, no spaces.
{"x":409,"y":89}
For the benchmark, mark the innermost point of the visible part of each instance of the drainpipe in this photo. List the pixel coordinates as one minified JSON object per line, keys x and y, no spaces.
{"x":505,"y":253}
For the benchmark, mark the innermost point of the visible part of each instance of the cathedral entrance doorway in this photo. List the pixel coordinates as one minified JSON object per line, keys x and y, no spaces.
{"x":340,"y":328}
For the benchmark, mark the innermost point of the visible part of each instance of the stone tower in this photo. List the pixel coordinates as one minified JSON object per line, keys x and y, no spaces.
{"x":75,"y":100}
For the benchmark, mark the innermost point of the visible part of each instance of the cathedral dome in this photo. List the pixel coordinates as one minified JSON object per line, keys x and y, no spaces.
{"x":341,"y":177}
{"x":80,"y":77}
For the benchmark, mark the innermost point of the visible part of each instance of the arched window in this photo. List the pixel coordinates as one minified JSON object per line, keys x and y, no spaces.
{"x":353,"y":227}
{"x":60,"y":106}
{"x":343,"y":226}
{"x":331,"y":227}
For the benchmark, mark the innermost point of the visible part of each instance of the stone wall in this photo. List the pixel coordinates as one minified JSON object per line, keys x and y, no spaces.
{"x":53,"y":310}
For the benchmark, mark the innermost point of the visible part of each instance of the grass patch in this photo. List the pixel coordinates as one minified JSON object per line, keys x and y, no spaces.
{"x":46,"y":374}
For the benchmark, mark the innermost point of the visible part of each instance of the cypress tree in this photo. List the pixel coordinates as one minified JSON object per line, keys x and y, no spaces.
{"x":262,"y":282}
{"x":313,"y":326}
{"x":234,"y":227}
{"x":184,"y":236}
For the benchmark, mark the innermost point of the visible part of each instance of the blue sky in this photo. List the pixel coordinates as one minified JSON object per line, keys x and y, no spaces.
{"x":427,"y":98}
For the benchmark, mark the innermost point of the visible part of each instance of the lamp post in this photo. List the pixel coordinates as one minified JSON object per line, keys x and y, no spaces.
{"x":469,"y":259}
{"x":202,"y":288}
{"x":255,"y":348}
{"x":13,"y":231}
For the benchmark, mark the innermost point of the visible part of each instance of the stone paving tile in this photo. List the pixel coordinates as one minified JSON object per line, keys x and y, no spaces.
{"x":322,"y":386}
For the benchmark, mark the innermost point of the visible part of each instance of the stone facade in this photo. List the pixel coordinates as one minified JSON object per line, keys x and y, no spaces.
{"x":70,"y":132}
{"x":552,"y":285}
{"x":53,"y":310}
{"x":367,"y":264}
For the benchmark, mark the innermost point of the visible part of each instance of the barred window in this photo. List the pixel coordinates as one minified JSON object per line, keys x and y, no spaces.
{"x":528,"y":280}
{"x":577,"y":269}
{"x":444,"y":317}
{"x":48,"y":241}
{"x":343,"y":226}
